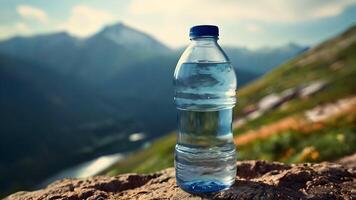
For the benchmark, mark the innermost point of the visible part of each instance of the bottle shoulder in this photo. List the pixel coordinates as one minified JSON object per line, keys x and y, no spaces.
{"x":210,"y":52}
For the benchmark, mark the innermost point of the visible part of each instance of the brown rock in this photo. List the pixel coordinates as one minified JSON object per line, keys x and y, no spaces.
{"x":255,"y":180}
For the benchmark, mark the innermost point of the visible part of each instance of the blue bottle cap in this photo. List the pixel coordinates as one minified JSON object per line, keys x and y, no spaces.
{"x":204,"y":30}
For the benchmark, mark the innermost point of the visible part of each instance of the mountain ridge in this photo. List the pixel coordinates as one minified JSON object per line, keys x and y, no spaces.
{"x":131,"y":37}
{"x":145,"y":43}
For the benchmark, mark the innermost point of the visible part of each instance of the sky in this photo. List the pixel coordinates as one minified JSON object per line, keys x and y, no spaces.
{"x":249,"y":23}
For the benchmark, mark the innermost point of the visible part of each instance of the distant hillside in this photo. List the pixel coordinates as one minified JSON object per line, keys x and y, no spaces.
{"x":49,"y":122}
{"x":261,"y":61}
{"x":304,"y":110}
{"x":93,"y":59}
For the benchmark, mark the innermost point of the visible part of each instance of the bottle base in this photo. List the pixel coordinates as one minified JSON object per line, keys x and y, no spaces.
{"x":205,"y":186}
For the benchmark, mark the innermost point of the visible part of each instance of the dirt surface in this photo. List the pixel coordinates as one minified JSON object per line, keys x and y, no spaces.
{"x":255,"y":180}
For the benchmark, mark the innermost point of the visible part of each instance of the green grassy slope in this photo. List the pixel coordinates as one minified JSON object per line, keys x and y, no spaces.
{"x":314,"y":65}
{"x":333,"y":61}
{"x":156,"y":157}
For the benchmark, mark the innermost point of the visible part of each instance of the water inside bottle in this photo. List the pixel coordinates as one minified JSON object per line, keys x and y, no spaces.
{"x":205,"y":155}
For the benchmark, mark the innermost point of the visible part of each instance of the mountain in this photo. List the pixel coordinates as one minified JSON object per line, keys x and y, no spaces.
{"x":301,"y":111}
{"x":113,"y":50}
{"x":93,"y":59}
{"x":130,"y":38}
{"x":116,"y":47}
{"x":261,"y":61}
{"x":49,"y":49}
{"x":120,"y":65}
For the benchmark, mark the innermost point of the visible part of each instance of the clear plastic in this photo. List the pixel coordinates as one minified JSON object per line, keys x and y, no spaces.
{"x":205,"y":86}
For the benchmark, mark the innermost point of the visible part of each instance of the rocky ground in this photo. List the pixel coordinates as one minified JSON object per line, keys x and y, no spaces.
{"x":255,"y":180}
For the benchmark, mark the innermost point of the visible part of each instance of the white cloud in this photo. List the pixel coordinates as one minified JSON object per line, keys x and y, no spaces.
{"x":30,"y":12}
{"x":84,"y":20}
{"x":261,"y":10}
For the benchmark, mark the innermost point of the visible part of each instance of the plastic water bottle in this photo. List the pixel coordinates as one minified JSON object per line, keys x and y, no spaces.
{"x":205,"y":86}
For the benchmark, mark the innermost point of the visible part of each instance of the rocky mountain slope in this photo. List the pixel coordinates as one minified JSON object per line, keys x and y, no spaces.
{"x":254,"y":180}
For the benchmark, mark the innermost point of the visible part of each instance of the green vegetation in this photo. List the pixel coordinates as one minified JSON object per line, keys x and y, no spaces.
{"x":335,"y":139}
{"x":334,"y":62}
{"x":158,"y":156}
{"x":341,"y":84}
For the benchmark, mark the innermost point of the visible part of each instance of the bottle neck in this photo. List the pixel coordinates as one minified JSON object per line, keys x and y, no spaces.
{"x":204,"y":41}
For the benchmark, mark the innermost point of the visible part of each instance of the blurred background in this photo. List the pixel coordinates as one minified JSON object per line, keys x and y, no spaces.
{"x":86,"y":86}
